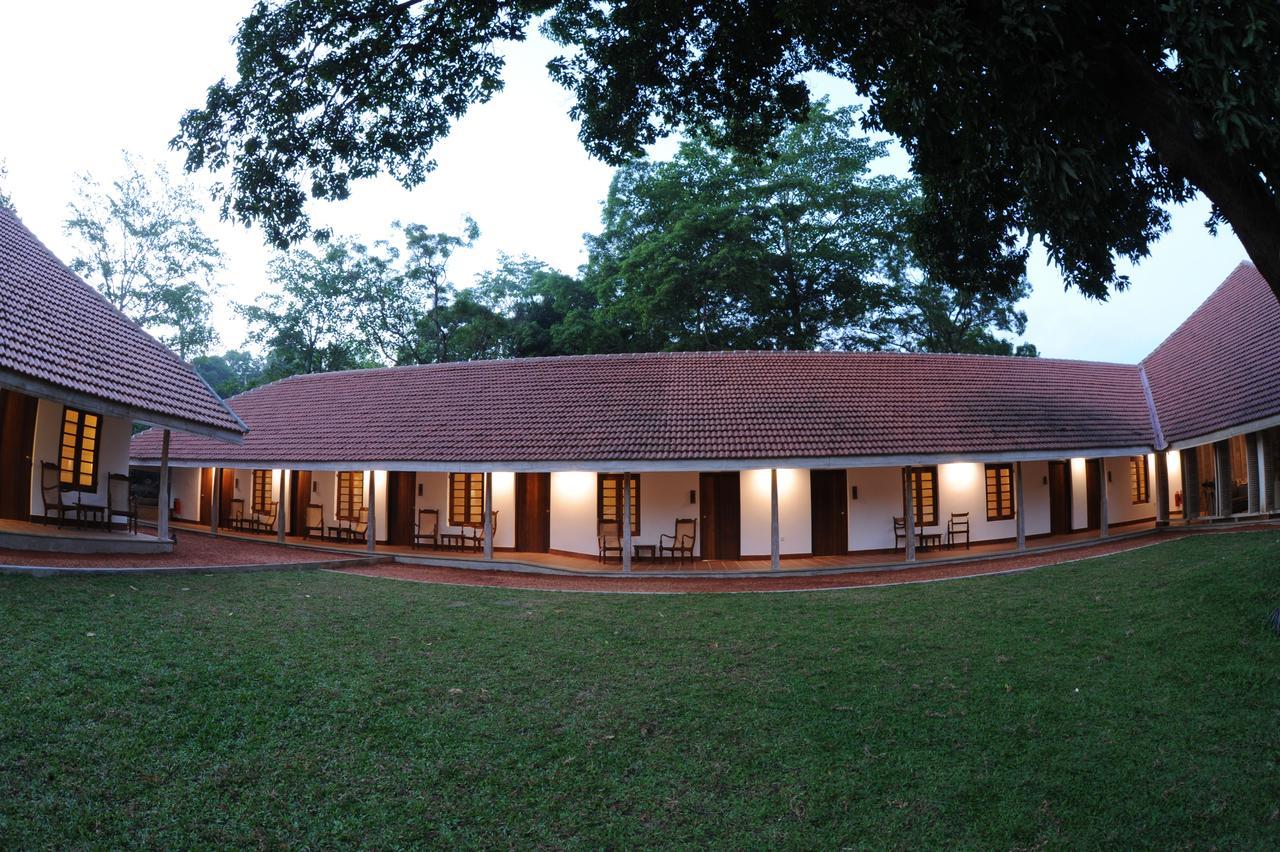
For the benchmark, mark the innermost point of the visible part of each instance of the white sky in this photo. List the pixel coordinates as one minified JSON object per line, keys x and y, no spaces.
{"x":84,"y":80}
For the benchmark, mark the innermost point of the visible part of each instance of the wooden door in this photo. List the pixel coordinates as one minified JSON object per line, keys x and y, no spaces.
{"x":533,"y":512}
{"x":299,"y":499}
{"x":206,"y":493}
{"x":17,"y":441}
{"x":829,"y":511}
{"x":1093,"y":494}
{"x":1059,"y":497}
{"x":721,"y":507}
{"x":228,"y":494}
{"x":401,"y":499}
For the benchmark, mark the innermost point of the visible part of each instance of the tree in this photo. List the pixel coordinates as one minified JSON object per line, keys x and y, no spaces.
{"x":309,"y":325}
{"x":230,"y":373}
{"x":1075,"y":123}
{"x":713,"y":250}
{"x":538,"y":311}
{"x":6,"y":200}
{"x":140,"y":243}
{"x":936,"y":318}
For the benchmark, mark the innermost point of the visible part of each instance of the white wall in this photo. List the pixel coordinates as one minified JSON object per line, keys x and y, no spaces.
{"x":879,"y":502}
{"x":573,"y":511}
{"x":184,"y":487}
{"x":1120,"y":505}
{"x":113,"y":452}
{"x":795,"y":525}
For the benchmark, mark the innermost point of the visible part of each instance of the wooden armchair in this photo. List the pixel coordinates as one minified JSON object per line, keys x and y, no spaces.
{"x":956,"y":527}
{"x":237,"y":521}
{"x":314,"y":521}
{"x":609,"y":539}
{"x":359,"y":531}
{"x":265,"y":521}
{"x":121,"y":503}
{"x":475,"y":538}
{"x":899,"y":533}
{"x":681,"y":542}
{"x":428,"y":529}
{"x":53,"y":494}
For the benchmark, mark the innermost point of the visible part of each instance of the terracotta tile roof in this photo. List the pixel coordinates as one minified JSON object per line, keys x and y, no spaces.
{"x":686,"y":406}
{"x":56,"y":329}
{"x":1220,"y":368}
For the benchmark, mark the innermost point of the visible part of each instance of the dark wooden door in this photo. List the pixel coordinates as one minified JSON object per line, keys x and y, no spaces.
{"x":533,"y":512}
{"x":299,"y":498}
{"x":228,"y":494}
{"x":17,"y":440}
{"x":1093,"y":493}
{"x":1059,"y":498}
{"x":400,"y":506}
{"x":829,"y":510}
{"x":206,"y":493}
{"x":721,"y":515}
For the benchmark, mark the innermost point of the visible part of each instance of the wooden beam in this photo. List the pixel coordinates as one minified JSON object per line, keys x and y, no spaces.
{"x":775,"y":541}
{"x":1254,"y":470}
{"x":626,"y":523}
{"x":1222,"y":478}
{"x":488,"y":515}
{"x":1017,"y":506}
{"x":162,"y":515}
{"x":909,"y":513}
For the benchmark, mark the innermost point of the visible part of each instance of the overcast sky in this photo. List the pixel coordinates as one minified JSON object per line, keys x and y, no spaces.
{"x":84,"y":80}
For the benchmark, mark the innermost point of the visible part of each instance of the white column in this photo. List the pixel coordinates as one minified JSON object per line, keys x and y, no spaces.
{"x":626,"y":523}
{"x":162,"y":516}
{"x":1102,"y":499}
{"x":1017,"y":506}
{"x":281,"y":505}
{"x":215,"y":499}
{"x":775,"y":544}
{"x":488,"y":516}
{"x":909,"y":513}
{"x":371,"y":531}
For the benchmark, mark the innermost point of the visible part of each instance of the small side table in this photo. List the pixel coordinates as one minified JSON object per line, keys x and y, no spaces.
{"x":85,"y":511}
{"x":645,"y":551}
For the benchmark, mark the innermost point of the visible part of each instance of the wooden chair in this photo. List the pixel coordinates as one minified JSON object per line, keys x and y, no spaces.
{"x":265,"y":521}
{"x":428,"y":529}
{"x":609,"y":539}
{"x":956,"y":527}
{"x":899,"y":533}
{"x":121,"y":503}
{"x":475,"y":538}
{"x":314,"y":521}
{"x":681,"y":542}
{"x":237,"y":521}
{"x":52,"y":494}
{"x":359,"y":531}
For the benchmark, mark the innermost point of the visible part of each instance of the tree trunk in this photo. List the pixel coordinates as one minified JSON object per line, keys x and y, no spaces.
{"x":1229,"y":182}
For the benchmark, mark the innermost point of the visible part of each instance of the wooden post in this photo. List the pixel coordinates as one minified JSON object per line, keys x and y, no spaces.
{"x":1190,"y":485}
{"x":909,"y":513}
{"x":371,"y":529}
{"x":626,"y":523}
{"x":1103,"y":523}
{"x":162,"y":514}
{"x":775,"y":543}
{"x":1252,"y":467}
{"x":1267,"y":470}
{"x":1162,"y":489}
{"x":215,"y":499}
{"x":1017,"y":505}
{"x":282,"y":506}
{"x":488,"y":515}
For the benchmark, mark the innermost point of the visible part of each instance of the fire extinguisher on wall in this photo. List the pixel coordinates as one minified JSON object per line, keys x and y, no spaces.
{"x":177,"y":507}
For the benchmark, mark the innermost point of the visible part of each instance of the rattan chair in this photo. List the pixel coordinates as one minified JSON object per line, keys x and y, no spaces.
{"x":899,"y":533}
{"x":679,"y":544}
{"x":956,"y":527}
{"x":428,"y":529}
{"x":473,"y":536}
{"x":609,"y":539}
{"x":53,"y":494}
{"x":237,"y":521}
{"x":314,"y":521}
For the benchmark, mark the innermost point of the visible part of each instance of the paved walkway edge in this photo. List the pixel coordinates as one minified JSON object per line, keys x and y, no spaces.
{"x":318,"y":565}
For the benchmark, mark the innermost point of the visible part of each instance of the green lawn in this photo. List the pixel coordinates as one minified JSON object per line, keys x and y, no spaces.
{"x":1133,"y":700}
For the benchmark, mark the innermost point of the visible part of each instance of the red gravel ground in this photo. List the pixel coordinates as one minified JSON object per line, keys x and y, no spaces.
{"x":189,"y":551}
{"x":777,"y":583}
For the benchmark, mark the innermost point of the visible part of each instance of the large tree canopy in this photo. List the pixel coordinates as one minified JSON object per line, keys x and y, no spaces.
{"x":1075,"y":123}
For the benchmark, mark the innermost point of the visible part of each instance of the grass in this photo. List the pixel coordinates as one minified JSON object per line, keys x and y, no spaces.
{"x":1130,"y":700}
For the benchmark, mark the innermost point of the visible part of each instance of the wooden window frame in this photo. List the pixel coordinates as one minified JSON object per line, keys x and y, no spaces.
{"x":925,"y":516}
{"x":76,"y":450}
{"x":1139,"y":480}
{"x":466,"y":508}
{"x":612,"y":481}
{"x":999,"y":494}
{"x":349,"y":499}
{"x":259,"y":490}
